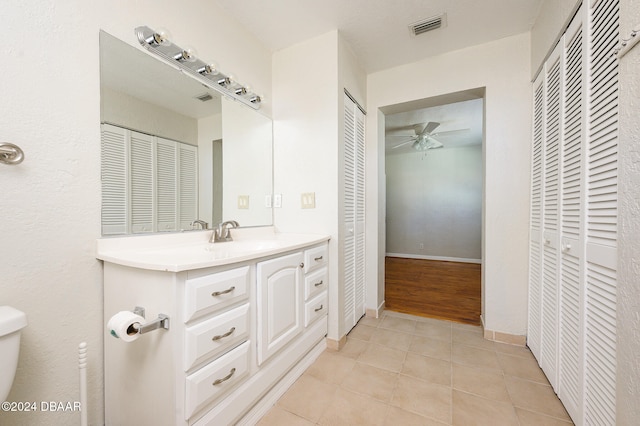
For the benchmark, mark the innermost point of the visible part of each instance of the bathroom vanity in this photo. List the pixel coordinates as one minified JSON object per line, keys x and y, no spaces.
{"x":246,"y":318}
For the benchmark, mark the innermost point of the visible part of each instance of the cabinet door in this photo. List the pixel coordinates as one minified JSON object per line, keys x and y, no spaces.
{"x":279,"y":303}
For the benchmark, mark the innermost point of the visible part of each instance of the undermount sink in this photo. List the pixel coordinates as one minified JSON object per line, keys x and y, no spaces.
{"x":192,"y":250}
{"x":244,"y":246}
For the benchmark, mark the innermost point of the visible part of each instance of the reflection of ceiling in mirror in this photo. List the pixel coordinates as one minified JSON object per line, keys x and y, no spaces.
{"x":127,"y":69}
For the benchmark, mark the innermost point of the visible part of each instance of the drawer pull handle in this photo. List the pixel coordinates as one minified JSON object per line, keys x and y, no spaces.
{"x":220,"y":293}
{"x":318,"y":284}
{"x":319,"y":309}
{"x":225,"y":378}
{"x":222,"y":336}
{"x":317,"y":259}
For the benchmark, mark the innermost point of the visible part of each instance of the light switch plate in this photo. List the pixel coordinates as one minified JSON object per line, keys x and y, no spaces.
{"x":277,"y":201}
{"x":243,"y":201}
{"x":308,"y":200}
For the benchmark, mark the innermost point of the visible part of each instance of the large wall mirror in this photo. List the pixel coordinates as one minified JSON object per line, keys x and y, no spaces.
{"x":195,"y":155}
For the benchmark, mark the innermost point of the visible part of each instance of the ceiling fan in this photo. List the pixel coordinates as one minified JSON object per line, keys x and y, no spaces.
{"x":424,"y":137}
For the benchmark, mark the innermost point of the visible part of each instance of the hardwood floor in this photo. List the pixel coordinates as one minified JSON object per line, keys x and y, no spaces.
{"x":433,"y":288}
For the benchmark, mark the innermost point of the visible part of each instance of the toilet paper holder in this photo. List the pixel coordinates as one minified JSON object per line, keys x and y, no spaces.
{"x":161,"y":322}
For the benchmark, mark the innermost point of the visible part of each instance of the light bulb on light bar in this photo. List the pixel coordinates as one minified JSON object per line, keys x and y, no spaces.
{"x":158,"y":39}
{"x":208,"y":69}
{"x":185,"y":56}
{"x":185,"y":60}
{"x":224,"y":82}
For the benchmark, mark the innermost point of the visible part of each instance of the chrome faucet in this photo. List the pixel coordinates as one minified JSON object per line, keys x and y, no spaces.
{"x":221,"y":233}
{"x":202,"y":223}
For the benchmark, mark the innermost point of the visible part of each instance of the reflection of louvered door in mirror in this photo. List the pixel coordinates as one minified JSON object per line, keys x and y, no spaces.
{"x":573,"y":242}
{"x":354,"y":209}
{"x":149,"y":184}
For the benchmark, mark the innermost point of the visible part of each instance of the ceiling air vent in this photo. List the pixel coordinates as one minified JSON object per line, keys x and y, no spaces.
{"x":204,"y":97}
{"x":428,"y":24}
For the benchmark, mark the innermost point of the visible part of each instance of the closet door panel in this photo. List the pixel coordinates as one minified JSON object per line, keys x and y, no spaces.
{"x":349,"y":184}
{"x":167,"y":185}
{"x":187,"y":185}
{"x":359,"y":306}
{"x":114,"y":176}
{"x":601,"y":243}
{"x":535,"y":243}
{"x":572,"y":203}
{"x":552,"y":176}
{"x":142,"y":183}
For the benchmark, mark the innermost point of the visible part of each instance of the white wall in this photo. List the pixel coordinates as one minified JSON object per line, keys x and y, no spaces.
{"x":434,"y":198}
{"x":50,"y":206}
{"x":628,"y":317}
{"x":308,"y":83}
{"x":503,"y":68}
{"x":132,"y":113}
{"x":247,"y":164}
{"x":209,"y":130}
{"x":553,"y":17}
{"x":305,"y":124}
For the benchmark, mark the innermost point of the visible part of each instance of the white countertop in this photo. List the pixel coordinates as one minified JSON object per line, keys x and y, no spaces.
{"x":192,"y":250}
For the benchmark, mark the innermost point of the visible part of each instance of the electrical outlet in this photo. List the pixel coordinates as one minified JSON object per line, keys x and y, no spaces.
{"x":277,"y":201}
{"x":308,"y":200}
{"x":243,"y":201}
{"x":421,"y":246}
{"x":267,"y":201}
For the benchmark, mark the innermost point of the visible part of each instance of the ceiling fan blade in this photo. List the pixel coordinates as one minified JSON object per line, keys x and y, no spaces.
{"x":434,"y":144}
{"x":403,"y":144}
{"x":430,"y":127}
{"x":450,"y":132}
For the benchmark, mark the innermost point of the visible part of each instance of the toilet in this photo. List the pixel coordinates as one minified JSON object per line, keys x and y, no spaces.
{"x":11,"y":322}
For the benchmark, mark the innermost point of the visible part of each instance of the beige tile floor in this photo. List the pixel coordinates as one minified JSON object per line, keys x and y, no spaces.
{"x":406,"y":370}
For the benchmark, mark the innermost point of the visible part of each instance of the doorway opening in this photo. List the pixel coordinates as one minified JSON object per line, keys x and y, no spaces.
{"x":434,"y":166}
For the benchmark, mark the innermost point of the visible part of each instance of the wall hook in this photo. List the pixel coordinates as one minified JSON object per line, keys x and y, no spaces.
{"x":10,"y":153}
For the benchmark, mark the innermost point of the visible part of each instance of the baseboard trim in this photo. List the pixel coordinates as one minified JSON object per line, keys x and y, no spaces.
{"x":375,"y":313}
{"x":500,"y":337}
{"x":442,"y":258}
{"x":336,"y":345}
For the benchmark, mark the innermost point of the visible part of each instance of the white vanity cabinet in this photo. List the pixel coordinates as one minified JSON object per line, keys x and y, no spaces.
{"x":239,"y":335}
{"x":279,"y":303}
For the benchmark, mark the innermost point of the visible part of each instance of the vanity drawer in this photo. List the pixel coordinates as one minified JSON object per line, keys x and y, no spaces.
{"x":315,"y":257}
{"x":216,"y":335}
{"x":211,"y":292}
{"x":315,"y":283}
{"x":315,"y":309}
{"x":215,"y":379}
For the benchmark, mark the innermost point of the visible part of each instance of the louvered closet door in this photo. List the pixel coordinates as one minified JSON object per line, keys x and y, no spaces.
{"x":354,"y":209}
{"x":602,"y":200}
{"x":572,"y":206}
{"x":349,"y":184}
{"x":359,"y":307}
{"x":535,"y":243}
{"x":114,"y":167}
{"x":141,"y":182}
{"x":550,"y":234}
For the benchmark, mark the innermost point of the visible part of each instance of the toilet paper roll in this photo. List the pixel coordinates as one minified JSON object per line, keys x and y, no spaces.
{"x":125,"y":325}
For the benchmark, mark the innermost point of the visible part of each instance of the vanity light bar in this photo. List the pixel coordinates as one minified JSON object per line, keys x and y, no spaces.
{"x":186,"y":61}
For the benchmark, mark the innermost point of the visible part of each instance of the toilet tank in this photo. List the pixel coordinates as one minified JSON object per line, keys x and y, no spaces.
{"x":11,"y":322}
